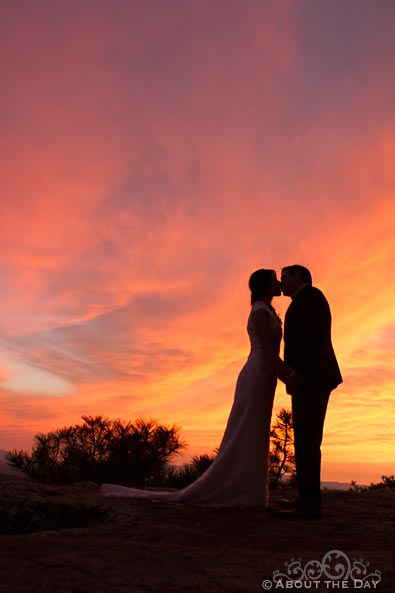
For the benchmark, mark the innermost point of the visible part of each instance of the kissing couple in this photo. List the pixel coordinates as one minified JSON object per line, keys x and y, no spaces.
{"x":238,"y":477}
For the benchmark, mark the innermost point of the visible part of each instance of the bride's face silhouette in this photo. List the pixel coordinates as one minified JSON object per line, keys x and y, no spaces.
{"x":275,"y":286}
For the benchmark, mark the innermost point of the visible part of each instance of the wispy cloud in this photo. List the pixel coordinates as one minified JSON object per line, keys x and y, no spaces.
{"x":154,"y":156}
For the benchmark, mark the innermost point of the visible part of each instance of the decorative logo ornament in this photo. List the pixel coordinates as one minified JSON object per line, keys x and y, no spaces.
{"x":334,"y":566}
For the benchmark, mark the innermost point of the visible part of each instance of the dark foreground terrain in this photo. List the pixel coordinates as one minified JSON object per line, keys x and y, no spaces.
{"x":71,"y":540}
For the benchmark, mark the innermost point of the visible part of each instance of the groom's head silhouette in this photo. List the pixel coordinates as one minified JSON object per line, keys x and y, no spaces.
{"x":293,"y":277}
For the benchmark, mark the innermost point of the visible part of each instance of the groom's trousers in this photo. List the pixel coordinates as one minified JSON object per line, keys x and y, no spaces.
{"x":309,"y":406}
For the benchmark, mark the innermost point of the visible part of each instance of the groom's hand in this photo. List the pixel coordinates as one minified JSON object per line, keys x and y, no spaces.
{"x":294,"y":382}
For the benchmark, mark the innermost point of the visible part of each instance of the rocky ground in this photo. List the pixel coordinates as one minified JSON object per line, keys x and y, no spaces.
{"x":70,"y":539}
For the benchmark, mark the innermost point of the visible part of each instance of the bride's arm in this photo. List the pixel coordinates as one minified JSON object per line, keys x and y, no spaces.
{"x":261,"y":322}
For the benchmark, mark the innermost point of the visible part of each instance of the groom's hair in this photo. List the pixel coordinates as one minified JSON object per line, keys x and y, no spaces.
{"x":304,"y":273}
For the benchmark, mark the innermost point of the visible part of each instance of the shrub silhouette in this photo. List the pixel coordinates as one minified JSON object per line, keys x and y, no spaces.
{"x":134,"y":453}
{"x":387,"y":483}
{"x":102,"y":450}
{"x":180,"y":477}
{"x":282,"y":458}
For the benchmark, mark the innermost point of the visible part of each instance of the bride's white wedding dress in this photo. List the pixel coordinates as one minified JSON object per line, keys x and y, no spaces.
{"x":238,"y":475}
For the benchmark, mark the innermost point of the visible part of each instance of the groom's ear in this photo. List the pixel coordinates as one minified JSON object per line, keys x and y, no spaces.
{"x":297,"y":274}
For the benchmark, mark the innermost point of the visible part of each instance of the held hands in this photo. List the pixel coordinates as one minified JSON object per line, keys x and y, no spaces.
{"x":293,"y":381}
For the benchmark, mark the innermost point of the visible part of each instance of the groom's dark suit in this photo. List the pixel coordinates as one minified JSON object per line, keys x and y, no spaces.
{"x":308,"y":349}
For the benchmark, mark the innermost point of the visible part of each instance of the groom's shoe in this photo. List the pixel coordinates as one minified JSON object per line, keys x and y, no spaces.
{"x":288,"y":503}
{"x":301,"y":512}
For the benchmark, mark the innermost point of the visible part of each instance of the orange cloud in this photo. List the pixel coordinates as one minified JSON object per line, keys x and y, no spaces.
{"x":154,"y":158}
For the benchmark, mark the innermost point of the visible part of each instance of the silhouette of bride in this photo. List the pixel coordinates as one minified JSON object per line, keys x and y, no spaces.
{"x":238,"y":475}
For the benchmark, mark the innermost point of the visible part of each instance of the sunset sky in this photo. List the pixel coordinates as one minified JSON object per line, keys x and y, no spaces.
{"x":153,"y":154}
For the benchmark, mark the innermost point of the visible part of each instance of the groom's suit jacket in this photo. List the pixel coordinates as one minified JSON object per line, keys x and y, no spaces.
{"x":307,"y":338}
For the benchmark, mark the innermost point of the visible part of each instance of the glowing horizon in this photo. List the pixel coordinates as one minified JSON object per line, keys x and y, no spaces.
{"x":153,"y":157}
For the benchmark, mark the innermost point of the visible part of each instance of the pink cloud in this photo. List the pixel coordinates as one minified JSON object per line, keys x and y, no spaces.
{"x":154,"y":157}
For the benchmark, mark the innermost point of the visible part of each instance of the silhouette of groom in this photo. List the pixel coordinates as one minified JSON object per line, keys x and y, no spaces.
{"x":308,"y":350}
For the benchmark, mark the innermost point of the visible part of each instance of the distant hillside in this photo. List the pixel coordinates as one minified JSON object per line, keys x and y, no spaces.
{"x":337,"y":485}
